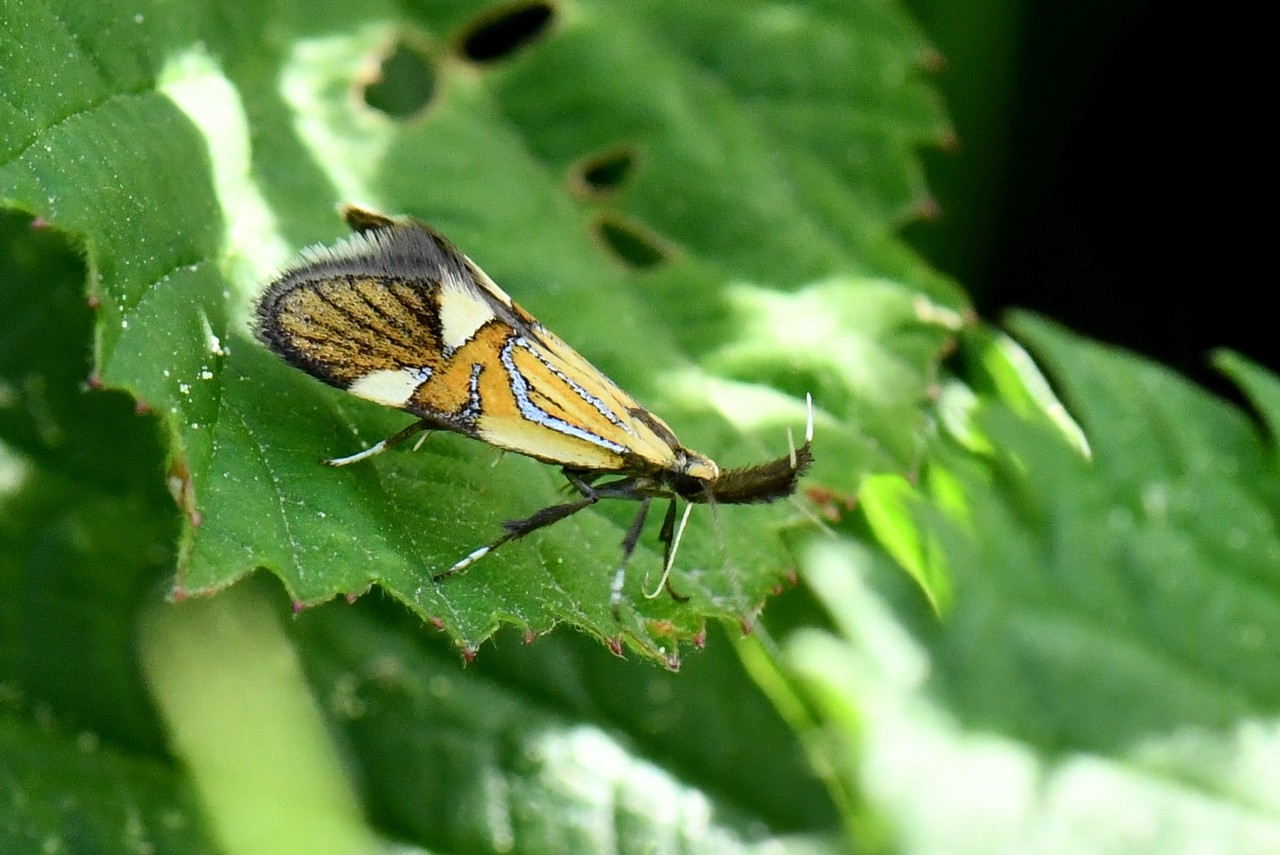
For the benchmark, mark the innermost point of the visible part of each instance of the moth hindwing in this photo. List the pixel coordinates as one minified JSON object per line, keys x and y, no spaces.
{"x":397,"y":315}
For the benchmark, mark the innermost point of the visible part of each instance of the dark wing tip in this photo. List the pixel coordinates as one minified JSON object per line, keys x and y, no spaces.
{"x":364,"y":220}
{"x":268,"y":327}
{"x":265,"y":323}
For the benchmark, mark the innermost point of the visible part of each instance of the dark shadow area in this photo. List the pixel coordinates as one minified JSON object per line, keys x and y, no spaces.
{"x":502,"y":34}
{"x":604,"y":173}
{"x":632,"y":245}
{"x":1130,"y":203}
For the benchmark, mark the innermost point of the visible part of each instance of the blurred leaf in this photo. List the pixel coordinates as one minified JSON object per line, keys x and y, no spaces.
{"x":556,"y":746}
{"x":85,"y":524}
{"x":66,"y":794}
{"x":203,"y":659}
{"x":1002,"y":368}
{"x":1105,"y":680}
{"x":86,"y":530}
{"x":888,"y":502}
{"x":1259,"y":385}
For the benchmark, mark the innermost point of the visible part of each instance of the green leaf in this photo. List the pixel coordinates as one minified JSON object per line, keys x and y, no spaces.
{"x":1003,"y":369}
{"x":1105,"y":679}
{"x":888,"y":502}
{"x":702,"y":200}
{"x":215,"y":142}
{"x":85,"y":524}
{"x":98,"y":760}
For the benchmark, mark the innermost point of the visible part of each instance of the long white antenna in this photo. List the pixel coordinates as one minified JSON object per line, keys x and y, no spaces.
{"x":808,"y":428}
{"x":675,"y":546}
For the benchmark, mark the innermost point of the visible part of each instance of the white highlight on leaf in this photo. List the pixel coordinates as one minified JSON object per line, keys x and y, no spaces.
{"x":194,"y":81}
{"x":348,"y":143}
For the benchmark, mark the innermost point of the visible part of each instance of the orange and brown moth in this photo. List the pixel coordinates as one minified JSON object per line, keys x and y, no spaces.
{"x":397,"y":315}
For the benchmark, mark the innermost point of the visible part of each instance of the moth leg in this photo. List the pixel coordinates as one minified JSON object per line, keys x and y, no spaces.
{"x":628,"y":546}
{"x":516,"y":529}
{"x":379,"y":447}
{"x":582,"y":481}
{"x":665,"y":535}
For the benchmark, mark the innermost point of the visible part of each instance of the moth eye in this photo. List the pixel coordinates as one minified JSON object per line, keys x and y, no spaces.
{"x":687,"y":486}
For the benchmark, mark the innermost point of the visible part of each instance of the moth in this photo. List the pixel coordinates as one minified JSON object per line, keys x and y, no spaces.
{"x":395,"y":314}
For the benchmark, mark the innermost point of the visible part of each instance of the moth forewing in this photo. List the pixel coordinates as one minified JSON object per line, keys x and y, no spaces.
{"x":397,"y":315}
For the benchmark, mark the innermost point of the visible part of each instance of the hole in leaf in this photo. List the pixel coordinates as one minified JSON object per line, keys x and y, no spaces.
{"x":506,"y":31}
{"x":406,"y":81}
{"x":634,"y":245}
{"x":604,"y":173}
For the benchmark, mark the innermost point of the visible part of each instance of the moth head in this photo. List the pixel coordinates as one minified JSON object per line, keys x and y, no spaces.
{"x":688,"y":475}
{"x":698,"y":466}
